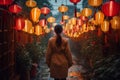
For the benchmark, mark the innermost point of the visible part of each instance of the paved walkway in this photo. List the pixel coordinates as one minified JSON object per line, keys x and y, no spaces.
{"x":76,"y":72}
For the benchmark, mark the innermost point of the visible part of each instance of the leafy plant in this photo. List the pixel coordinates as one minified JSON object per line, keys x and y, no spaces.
{"x":23,"y":60}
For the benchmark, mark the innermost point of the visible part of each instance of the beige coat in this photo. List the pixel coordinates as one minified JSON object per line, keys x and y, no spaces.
{"x":58,"y":59}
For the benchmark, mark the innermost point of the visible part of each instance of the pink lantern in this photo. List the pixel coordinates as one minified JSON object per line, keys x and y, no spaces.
{"x":42,"y":22}
{"x":111,"y":8}
{"x":45,"y":10}
{"x":15,"y":8}
{"x":19,"y":23}
{"x":5,"y":2}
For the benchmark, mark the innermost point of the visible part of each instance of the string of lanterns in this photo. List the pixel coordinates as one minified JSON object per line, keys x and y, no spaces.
{"x":73,"y":26}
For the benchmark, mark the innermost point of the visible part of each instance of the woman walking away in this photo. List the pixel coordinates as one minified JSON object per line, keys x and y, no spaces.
{"x":58,"y":55}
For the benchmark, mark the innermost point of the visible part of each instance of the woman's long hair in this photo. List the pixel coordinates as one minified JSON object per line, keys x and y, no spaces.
{"x":58,"y":30}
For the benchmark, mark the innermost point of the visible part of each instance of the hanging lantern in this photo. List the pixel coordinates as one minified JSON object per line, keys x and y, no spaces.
{"x":51,"y":19}
{"x":75,"y":1}
{"x":5,"y":2}
{"x":45,"y":10}
{"x":28,"y":25}
{"x":99,"y":17}
{"x":95,"y":3}
{"x":38,"y":30}
{"x":31,"y":3}
{"x":110,"y":8}
{"x":19,"y":23}
{"x":84,"y":18}
{"x":63,"y":8}
{"x":115,"y":22}
{"x":105,"y":26}
{"x":15,"y":8}
{"x":86,"y":12}
{"x":79,"y":22}
{"x":78,"y":14}
{"x":31,"y":31}
{"x":73,"y":21}
{"x":65,"y":17}
{"x":35,"y":14}
{"x":42,"y":22}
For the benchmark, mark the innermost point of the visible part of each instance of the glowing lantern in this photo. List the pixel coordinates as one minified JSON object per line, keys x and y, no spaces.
{"x":95,"y":3}
{"x":110,"y":8}
{"x":79,"y":22}
{"x":42,"y":22}
{"x":63,"y":8}
{"x":31,"y":31}
{"x":115,"y":22}
{"x":15,"y":8}
{"x":75,"y":1}
{"x":86,"y":12}
{"x":31,"y":3}
{"x":84,"y":18}
{"x":38,"y":30}
{"x":19,"y":23}
{"x":45,"y":10}
{"x":78,"y":14}
{"x":99,"y":17}
{"x":105,"y":26}
{"x":51,"y":19}
{"x":28,"y":25}
{"x":5,"y":2}
{"x":35,"y":14}
{"x":74,"y":21}
{"x":65,"y":17}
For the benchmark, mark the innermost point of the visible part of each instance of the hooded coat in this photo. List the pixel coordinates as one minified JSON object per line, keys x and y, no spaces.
{"x":58,"y":59}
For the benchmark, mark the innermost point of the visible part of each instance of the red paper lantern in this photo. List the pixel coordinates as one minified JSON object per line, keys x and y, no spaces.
{"x":19,"y":23}
{"x":15,"y":8}
{"x":42,"y":22}
{"x":5,"y":2}
{"x":111,"y":8}
{"x":75,"y":1}
{"x":45,"y":10}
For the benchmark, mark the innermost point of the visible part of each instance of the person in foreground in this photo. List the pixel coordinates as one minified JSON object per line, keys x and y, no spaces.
{"x":58,"y":55}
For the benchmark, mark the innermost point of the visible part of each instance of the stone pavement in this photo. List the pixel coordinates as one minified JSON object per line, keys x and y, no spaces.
{"x":76,"y":72}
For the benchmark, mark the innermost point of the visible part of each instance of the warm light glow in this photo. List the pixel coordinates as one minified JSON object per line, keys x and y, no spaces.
{"x":86,"y":12}
{"x":28,"y":25}
{"x":51,"y":19}
{"x":99,"y":17}
{"x":31,"y":3}
{"x":95,"y":3}
{"x":15,"y":8}
{"x":38,"y":30}
{"x":105,"y":26}
{"x":63,"y":8}
{"x":35,"y":14}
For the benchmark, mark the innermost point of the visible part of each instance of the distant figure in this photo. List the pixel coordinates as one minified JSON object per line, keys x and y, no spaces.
{"x":58,"y":55}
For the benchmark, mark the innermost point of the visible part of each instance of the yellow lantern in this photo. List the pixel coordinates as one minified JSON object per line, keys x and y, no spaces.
{"x":35,"y":14}
{"x":63,"y":8}
{"x":51,"y":19}
{"x":38,"y":30}
{"x":95,"y":3}
{"x":31,"y":31}
{"x":115,"y":22}
{"x":86,"y":12}
{"x":78,"y":14}
{"x":65,"y":17}
{"x":74,"y":21}
{"x":105,"y":26}
{"x":31,"y":3}
{"x":99,"y":17}
{"x":28,"y":25}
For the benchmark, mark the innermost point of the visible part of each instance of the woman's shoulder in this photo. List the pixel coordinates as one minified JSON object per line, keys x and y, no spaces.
{"x":65,"y":39}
